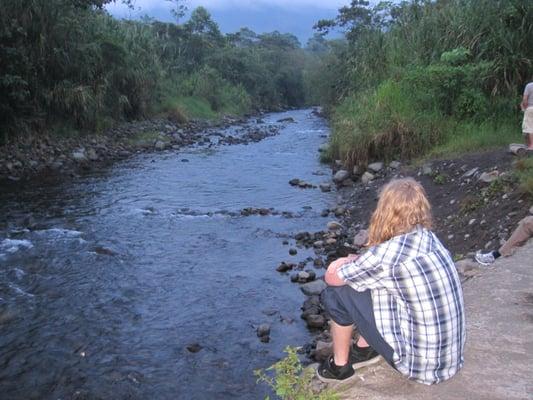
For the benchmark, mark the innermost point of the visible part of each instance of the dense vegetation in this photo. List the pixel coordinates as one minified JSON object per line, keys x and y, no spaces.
{"x":68,"y":65}
{"x":425,"y":76}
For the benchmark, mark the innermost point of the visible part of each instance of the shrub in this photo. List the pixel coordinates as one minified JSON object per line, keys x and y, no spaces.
{"x":291,"y":380}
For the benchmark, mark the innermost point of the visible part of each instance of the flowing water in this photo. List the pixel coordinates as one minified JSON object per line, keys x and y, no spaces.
{"x":125,"y":268}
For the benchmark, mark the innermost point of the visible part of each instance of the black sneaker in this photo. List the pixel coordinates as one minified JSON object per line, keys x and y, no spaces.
{"x":329,"y":372}
{"x":363,"y":356}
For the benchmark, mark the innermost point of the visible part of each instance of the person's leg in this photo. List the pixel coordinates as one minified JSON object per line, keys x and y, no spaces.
{"x":529,"y":139}
{"x":521,"y":234}
{"x":342,"y":340}
{"x":345,"y":307}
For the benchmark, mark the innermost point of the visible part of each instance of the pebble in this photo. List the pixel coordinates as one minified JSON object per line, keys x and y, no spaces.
{"x":375,"y":167}
{"x":293,"y":252}
{"x":472,"y":221}
{"x":194,"y":347}
{"x":263,"y":330}
{"x":313,"y":288}
{"x":325,"y":187}
{"x":340,"y":176}
{"x":367,"y":178}
{"x":316,"y":321}
{"x":334,"y":225}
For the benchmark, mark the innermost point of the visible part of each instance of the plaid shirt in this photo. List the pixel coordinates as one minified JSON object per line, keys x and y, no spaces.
{"x":418,"y":303}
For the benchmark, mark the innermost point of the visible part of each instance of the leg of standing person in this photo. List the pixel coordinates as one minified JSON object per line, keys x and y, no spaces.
{"x":521,"y":234}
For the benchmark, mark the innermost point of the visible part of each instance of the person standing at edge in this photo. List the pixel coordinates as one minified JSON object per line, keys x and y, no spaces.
{"x":527,"y":107}
{"x":403,"y":294}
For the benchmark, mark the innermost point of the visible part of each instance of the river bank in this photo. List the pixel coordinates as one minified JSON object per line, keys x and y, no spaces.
{"x":476,"y":204}
{"x":42,"y":155}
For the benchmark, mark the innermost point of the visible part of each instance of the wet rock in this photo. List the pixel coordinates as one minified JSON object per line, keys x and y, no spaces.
{"x":302,"y":235}
{"x":331,"y":241}
{"x":325,"y":187}
{"x":334,"y":225}
{"x":324,"y":213}
{"x":375,"y":167}
{"x":294,"y":182}
{"x":194,"y":347}
{"x":395,"y":164}
{"x":316,"y":321}
{"x":341,"y":176}
{"x":313,"y":288}
{"x":293,"y":252}
{"x":303,"y":276}
{"x":323,"y":148}
{"x":263,"y":333}
{"x":323,"y":350}
{"x":286,"y":120}
{"x":104,"y":251}
{"x":284,"y":267}
{"x":318,"y":262}
{"x":361,"y":238}
{"x":339,"y":211}
{"x":318,"y":244}
{"x":367,"y":178}
{"x":295,"y":277}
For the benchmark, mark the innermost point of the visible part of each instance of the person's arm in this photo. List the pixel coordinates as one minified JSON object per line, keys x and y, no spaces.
{"x":525,"y":99}
{"x":331,"y":277}
{"x":367,"y":272}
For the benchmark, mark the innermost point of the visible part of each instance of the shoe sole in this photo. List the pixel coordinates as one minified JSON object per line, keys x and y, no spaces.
{"x":483,"y":263}
{"x":333,"y":380}
{"x":363,"y":364}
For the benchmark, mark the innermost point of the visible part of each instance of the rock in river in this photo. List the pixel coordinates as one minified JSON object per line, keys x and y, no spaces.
{"x":313,"y":288}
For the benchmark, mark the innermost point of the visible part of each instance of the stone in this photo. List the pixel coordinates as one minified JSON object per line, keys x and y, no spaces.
{"x":356,"y":170}
{"x":427,"y":169}
{"x":489,"y":177}
{"x":263,"y":330}
{"x":323,"y":350}
{"x":313,"y":288}
{"x":316,"y":321}
{"x":294,"y":182}
{"x":91,"y":154}
{"x":303,"y":276}
{"x":334,"y":225}
{"x":395,"y":164}
{"x":194,"y":347}
{"x":325,"y":187}
{"x":301,"y":235}
{"x":318,"y":262}
{"x":295,"y":277}
{"x":375,"y":167}
{"x":324,"y":213}
{"x":470,"y":173}
{"x":318,"y":244}
{"x":288,"y":120}
{"x":160,"y":145}
{"x":361,"y":238}
{"x":331,"y":241}
{"x":341,"y":176}
{"x":472,"y":221}
{"x":284,"y":267}
{"x":367,"y":177}
{"x":293,"y":252}
{"x":339,"y":211}
{"x":79,"y":155}
{"x":467,"y":267}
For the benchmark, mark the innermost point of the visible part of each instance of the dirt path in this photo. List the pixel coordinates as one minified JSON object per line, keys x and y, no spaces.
{"x":499,"y":352}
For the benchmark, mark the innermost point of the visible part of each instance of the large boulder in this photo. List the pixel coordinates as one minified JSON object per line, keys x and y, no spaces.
{"x":375,"y":167}
{"x":367,"y":178}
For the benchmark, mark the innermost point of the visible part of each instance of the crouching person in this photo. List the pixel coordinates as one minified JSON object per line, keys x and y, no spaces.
{"x":403,"y":295}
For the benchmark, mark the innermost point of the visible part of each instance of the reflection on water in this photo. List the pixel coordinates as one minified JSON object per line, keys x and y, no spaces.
{"x":123,"y":269}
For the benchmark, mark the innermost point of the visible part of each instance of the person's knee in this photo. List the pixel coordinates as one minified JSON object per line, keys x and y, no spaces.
{"x":331,"y":299}
{"x":527,"y":223}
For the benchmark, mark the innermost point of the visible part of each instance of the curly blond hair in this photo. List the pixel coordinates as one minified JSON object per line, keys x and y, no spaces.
{"x":402,"y":206}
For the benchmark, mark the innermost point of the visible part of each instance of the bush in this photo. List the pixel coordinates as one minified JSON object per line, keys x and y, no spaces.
{"x":292,"y":381}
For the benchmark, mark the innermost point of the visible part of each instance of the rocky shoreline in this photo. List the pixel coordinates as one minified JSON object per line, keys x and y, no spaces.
{"x":41,"y":155}
{"x":476,"y":205}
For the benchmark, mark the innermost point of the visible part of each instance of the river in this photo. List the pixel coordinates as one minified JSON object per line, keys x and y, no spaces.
{"x":125,"y":267}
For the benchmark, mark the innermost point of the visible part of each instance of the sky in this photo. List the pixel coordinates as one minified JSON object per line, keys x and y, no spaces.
{"x":287,"y":16}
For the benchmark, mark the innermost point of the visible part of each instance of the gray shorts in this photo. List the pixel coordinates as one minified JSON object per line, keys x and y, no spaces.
{"x":348,"y":307}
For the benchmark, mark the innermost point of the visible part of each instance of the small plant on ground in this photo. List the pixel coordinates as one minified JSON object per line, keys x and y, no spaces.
{"x":440,"y":179}
{"x":291,"y":381}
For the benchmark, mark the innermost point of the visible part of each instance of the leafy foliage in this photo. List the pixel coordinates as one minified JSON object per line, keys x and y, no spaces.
{"x":423,"y":72}
{"x":68,"y":61}
{"x":291,"y":380}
